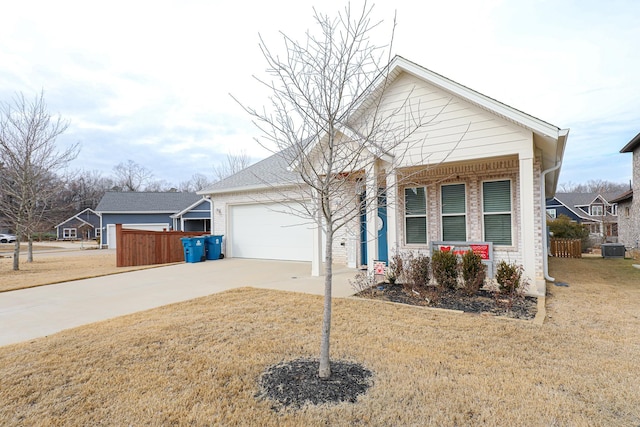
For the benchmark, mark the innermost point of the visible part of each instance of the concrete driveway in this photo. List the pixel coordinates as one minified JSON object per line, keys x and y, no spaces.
{"x":37,"y":312}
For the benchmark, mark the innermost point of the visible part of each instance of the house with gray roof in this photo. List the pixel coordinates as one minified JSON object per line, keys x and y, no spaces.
{"x":597,"y":211}
{"x":479,"y":174}
{"x":156,"y":211}
{"x":629,"y":206}
{"x":84,"y":225}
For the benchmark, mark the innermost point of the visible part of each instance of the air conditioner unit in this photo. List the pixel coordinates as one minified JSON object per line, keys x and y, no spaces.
{"x":612,"y":250}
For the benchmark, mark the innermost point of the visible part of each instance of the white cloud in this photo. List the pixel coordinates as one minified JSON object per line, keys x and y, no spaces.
{"x":150,"y":80}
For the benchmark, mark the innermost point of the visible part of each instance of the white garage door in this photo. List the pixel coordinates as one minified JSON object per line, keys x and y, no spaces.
{"x":267,"y":231}
{"x":111,"y":231}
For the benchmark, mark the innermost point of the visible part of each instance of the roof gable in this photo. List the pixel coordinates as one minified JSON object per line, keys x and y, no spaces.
{"x":631,"y":145}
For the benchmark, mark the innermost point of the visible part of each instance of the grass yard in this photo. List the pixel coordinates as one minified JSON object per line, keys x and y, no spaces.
{"x":198,"y":362}
{"x":51,"y":268}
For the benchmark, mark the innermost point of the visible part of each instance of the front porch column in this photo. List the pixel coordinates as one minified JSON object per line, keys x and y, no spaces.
{"x":392,"y":206}
{"x":317,"y":250}
{"x":371,"y":180}
{"x":527,"y":225}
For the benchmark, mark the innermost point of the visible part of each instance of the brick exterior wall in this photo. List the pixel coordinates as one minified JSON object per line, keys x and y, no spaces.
{"x":629,"y":222}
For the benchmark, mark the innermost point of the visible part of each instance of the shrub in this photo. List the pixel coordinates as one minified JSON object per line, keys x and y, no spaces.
{"x":563,"y":228}
{"x":363,"y":282}
{"x":395,"y":272}
{"x":417,"y":271}
{"x":444,"y":266}
{"x":509,"y":278}
{"x":473,"y":272}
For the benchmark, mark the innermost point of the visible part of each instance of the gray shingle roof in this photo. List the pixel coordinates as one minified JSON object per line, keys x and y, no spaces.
{"x":170,"y":202}
{"x":272,"y":171}
{"x":573,"y":200}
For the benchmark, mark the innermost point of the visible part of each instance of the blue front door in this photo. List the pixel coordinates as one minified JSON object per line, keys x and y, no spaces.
{"x":381,"y":226}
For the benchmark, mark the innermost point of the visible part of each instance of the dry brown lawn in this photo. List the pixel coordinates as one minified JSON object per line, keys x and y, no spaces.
{"x":198,"y":362}
{"x":48,"y":268}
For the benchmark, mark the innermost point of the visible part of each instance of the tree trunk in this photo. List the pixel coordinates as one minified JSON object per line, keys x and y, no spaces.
{"x":30,"y":251}
{"x":16,"y":254}
{"x":324,"y":371}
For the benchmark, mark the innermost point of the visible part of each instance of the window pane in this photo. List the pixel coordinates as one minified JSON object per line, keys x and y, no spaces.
{"x":497,"y":229}
{"x":496,"y":196}
{"x":416,"y":230}
{"x":453,"y":199}
{"x":454,"y":228}
{"x":415,"y":201}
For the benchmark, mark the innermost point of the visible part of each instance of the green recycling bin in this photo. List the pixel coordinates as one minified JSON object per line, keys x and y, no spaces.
{"x":193,"y":249}
{"x":213,"y":246}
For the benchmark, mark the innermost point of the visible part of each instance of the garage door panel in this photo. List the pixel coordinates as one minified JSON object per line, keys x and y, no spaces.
{"x":270,"y":231}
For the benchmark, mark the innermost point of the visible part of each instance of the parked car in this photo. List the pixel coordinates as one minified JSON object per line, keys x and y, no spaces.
{"x":7,"y":238}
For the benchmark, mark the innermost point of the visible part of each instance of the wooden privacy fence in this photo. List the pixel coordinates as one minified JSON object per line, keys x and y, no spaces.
{"x":566,"y":248}
{"x":142,"y":247}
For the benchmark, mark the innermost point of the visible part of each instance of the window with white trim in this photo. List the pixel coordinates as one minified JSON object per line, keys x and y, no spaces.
{"x":454,"y":212}
{"x":415,"y":215}
{"x":69,"y":233}
{"x":596,"y":210}
{"x":496,"y":212}
{"x":551,"y":213}
{"x":98,"y":232}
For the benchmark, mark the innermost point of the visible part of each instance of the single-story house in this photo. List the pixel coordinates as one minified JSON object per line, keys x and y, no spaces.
{"x":628,"y":206}
{"x":480,"y":173}
{"x":84,"y":225}
{"x":152,"y":211}
{"x":595,"y":210}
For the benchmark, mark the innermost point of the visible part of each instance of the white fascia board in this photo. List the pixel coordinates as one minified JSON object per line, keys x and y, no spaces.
{"x":188,"y":208}
{"x":136,"y":212}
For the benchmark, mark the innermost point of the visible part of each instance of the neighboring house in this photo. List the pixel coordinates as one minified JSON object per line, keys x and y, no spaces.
{"x":84,"y":225}
{"x":598,"y":212}
{"x":628,"y":206}
{"x":492,"y":165}
{"x":152,"y":211}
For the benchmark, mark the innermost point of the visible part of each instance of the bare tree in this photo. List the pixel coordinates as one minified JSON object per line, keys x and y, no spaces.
{"x":197,"y":182}
{"x":327,"y":124}
{"x":593,"y":186}
{"x":233,"y":163}
{"x":30,"y":160}
{"x":130,"y":176}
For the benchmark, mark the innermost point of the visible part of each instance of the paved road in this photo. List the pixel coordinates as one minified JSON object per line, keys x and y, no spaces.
{"x":36,"y":312}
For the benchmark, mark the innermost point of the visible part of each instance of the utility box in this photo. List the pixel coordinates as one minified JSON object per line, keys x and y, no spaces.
{"x":612,"y":250}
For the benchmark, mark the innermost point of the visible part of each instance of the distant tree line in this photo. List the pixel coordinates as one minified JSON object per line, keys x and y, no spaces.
{"x":36,"y":190}
{"x":593,"y":186}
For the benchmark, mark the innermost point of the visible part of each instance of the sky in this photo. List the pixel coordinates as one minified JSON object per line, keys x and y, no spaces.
{"x":150,"y":81}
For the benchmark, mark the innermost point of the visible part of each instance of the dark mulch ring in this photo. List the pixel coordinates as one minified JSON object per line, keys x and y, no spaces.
{"x":483,"y":302}
{"x":295,"y":383}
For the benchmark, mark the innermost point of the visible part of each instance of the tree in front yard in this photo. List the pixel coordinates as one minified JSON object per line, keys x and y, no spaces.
{"x":30,"y":159}
{"x":326,"y":123}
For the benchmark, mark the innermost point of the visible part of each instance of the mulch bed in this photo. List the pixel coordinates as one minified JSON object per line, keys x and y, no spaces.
{"x":295,"y":383}
{"x":483,"y":302}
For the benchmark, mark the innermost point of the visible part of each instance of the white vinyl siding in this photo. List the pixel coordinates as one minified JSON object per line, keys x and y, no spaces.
{"x":454,"y":213}
{"x":497,"y":214}
{"x":415,"y":215}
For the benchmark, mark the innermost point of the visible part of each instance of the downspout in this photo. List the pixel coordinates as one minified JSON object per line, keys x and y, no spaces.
{"x":545,"y":245}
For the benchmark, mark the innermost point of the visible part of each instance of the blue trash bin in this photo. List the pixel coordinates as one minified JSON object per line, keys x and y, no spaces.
{"x":213,"y":246}
{"x":193,"y":249}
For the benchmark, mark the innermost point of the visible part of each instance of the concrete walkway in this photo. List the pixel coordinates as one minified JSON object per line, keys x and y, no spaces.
{"x":41,"y":311}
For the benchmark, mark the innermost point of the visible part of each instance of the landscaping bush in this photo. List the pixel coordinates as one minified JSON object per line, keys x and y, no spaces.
{"x":395,"y":272}
{"x":363,"y":282}
{"x":564,"y":228}
{"x":444,"y":266}
{"x":473,"y":272}
{"x":417,"y":271}
{"x":509,"y":278}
